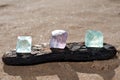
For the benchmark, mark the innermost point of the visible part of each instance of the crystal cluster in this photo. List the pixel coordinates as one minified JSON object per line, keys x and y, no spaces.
{"x":58,"y":39}
{"x":24,"y":44}
{"x":94,"y":39}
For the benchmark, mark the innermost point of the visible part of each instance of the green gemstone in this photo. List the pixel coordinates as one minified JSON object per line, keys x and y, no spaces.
{"x":24,"y":44}
{"x":94,"y":39}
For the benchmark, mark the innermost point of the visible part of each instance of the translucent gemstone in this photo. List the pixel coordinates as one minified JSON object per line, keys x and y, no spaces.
{"x":58,"y":39}
{"x":24,"y":44}
{"x":94,"y":39}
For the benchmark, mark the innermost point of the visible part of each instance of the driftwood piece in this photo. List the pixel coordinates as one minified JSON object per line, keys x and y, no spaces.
{"x":74,"y":52}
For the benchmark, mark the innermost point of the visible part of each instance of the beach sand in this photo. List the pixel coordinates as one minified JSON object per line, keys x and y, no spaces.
{"x":37,"y":18}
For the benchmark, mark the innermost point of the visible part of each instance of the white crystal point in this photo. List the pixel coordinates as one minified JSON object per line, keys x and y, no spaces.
{"x":58,"y":39}
{"x":24,"y":44}
{"x":94,"y":39}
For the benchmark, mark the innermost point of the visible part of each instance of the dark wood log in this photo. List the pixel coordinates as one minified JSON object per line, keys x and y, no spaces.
{"x":75,"y":51}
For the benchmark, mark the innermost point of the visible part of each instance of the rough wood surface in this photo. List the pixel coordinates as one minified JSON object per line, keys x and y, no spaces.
{"x":73,"y":52}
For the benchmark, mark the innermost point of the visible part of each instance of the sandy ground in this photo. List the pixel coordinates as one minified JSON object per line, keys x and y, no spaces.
{"x":38,"y":18}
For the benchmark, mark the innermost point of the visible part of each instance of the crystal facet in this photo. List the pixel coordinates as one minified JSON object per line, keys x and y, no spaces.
{"x":58,"y":39}
{"x":94,"y":39}
{"x":24,"y":44}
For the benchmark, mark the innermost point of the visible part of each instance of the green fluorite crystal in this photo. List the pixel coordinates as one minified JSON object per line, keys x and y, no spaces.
{"x":24,"y":44}
{"x":94,"y":39}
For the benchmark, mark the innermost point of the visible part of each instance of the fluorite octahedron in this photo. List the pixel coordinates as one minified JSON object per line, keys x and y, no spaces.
{"x":24,"y":44}
{"x":94,"y":39}
{"x":58,"y":39}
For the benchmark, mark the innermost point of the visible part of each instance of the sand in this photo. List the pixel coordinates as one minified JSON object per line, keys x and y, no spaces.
{"x":38,"y":18}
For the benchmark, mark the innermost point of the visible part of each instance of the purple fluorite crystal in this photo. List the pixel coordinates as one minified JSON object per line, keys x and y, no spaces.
{"x":58,"y":39}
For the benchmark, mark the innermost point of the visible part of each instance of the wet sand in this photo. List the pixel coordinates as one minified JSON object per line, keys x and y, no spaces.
{"x":38,"y":18}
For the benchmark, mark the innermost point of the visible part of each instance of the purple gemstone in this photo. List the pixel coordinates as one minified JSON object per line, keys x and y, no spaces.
{"x":58,"y":39}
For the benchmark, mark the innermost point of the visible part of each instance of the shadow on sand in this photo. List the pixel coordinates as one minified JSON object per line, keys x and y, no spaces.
{"x":65,"y":70}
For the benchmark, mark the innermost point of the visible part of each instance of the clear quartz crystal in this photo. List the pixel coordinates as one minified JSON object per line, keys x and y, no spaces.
{"x":94,"y":39}
{"x":58,"y":39}
{"x":24,"y":44}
